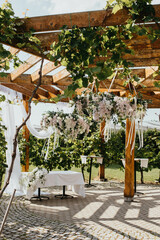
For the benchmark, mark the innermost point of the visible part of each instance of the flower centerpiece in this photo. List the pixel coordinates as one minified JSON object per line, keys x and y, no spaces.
{"x":38,"y":175}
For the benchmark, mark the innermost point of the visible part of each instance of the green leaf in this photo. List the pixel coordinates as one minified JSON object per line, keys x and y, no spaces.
{"x":80,"y":83}
{"x":116,"y":8}
{"x":96,"y":69}
{"x":85,"y":82}
{"x":64,"y":62}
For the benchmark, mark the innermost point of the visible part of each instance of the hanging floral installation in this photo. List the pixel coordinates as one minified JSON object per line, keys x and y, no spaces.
{"x":69,"y":125}
{"x":106,"y":106}
{"x":96,"y":107}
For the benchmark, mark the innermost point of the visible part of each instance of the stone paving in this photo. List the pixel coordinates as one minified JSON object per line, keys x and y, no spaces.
{"x":103,"y":214}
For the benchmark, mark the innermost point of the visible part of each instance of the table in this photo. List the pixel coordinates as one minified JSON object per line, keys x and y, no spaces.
{"x":84,"y":160}
{"x":144,"y":163}
{"x":73,"y":180}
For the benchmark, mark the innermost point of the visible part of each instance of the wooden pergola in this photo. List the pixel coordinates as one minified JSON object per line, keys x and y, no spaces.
{"x":55,"y":79}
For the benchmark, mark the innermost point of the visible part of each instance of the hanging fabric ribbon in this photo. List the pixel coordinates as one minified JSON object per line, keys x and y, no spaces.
{"x":46,"y":156}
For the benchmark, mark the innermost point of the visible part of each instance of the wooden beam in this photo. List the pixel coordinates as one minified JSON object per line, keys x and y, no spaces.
{"x":143,"y":58}
{"x":26,"y":79}
{"x":153,"y":105}
{"x":13,"y":50}
{"x":60,"y":75}
{"x":31,"y":87}
{"x":31,"y":61}
{"x":145,"y":62}
{"x":20,"y":89}
{"x":51,"y":89}
{"x":136,"y":43}
{"x":61,"y":78}
{"x":46,"y":69}
{"x":80,"y":19}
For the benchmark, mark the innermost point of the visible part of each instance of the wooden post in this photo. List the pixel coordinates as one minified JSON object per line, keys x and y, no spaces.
{"x":102,"y":166}
{"x":7,"y":211}
{"x":25,"y":168}
{"x":129,"y":163}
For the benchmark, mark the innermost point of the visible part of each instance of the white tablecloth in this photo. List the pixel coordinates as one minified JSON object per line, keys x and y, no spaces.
{"x":73,"y":180}
{"x":144,"y":162}
{"x":84,"y":158}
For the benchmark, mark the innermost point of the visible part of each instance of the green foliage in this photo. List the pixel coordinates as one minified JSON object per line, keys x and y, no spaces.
{"x":151,"y":148}
{"x":92,"y":54}
{"x":79,"y":48}
{"x":2,"y":153}
{"x":2,"y":146}
{"x":68,"y":153}
{"x":61,"y":158}
{"x":8,"y":31}
{"x":11,"y":32}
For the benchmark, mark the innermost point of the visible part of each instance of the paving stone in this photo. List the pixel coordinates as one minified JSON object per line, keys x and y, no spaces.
{"x":103,"y":214}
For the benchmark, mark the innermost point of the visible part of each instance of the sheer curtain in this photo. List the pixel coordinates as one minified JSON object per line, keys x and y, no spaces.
{"x":9,"y":117}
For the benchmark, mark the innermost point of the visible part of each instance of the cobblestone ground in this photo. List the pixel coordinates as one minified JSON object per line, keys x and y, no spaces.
{"x":103,"y":214}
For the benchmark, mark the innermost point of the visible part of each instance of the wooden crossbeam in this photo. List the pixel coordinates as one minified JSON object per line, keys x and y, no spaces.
{"x":20,"y":89}
{"x":31,"y":87}
{"x":26,"y":78}
{"x":46,"y":69}
{"x":13,"y":50}
{"x":136,"y":43}
{"x":51,"y":89}
{"x":60,"y":75}
{"x":80,"y":19}
{"x":143,"y":56}
{"x":63,"y":82}
{"x":31,"y":61}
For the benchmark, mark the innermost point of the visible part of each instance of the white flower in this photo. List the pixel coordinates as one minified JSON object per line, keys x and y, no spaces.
{"x":37,"y":175}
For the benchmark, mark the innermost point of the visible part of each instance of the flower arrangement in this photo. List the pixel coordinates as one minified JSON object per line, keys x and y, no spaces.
{"x":69,"y":125}
{"x":37,"y":175}
{"x":105,"y":106}
{"x":94,"y":107}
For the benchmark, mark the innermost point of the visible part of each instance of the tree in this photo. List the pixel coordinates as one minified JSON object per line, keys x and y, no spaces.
{"x":9,"y":31}
{"x":150,"y":150}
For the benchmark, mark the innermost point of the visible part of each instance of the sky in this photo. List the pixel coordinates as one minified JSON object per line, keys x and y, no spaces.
{"x":33,"y":8}
{"x":48,"y":7}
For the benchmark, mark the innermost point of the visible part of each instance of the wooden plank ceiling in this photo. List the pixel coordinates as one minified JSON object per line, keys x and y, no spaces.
{"x":55,"y":78}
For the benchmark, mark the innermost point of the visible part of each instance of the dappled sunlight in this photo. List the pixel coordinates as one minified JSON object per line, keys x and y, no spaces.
{"x":102,"y":212}
{"x":106,"y":209}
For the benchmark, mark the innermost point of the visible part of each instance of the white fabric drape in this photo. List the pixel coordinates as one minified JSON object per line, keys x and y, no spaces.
{"x":38,"y":134}
{"x":9,"y":120}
